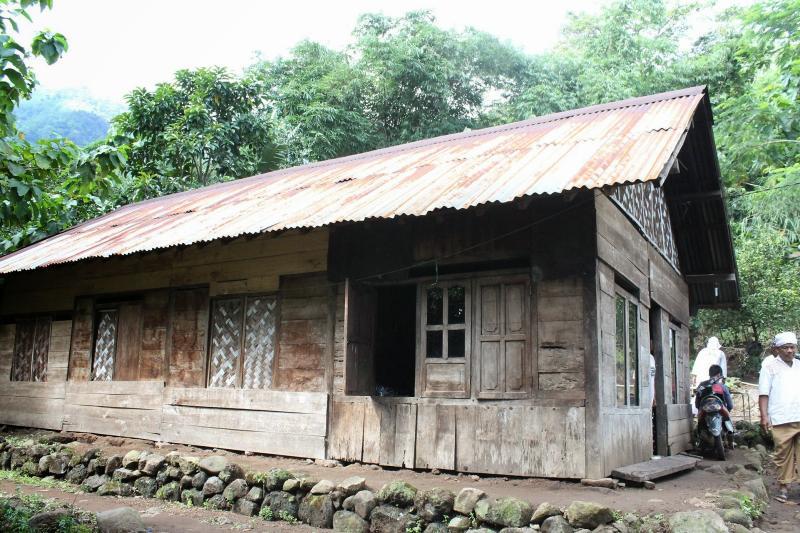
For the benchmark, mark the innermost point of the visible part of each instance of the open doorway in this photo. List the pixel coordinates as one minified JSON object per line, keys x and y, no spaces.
{"x":395,"y":340}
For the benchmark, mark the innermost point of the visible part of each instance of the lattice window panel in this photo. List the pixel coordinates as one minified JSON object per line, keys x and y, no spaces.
{"x":259,"y":342}
{"x":105,"y":346}
{"x":243,"y":342}
{"x":226,"y":343}
{"x":23,"y":349}
{"x":31,"y":347}
{"x":41,"y":347}
{"x":646,"y":205}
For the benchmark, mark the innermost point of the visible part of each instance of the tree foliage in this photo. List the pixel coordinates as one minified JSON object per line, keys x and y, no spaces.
{"x":52,"y":183}
{"x":204,"y":127}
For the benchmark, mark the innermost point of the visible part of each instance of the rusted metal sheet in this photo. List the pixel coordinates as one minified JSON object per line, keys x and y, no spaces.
{"x":622,"y":142}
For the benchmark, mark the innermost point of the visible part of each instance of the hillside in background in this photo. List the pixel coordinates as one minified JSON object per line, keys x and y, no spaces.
{"x":73,"y":113}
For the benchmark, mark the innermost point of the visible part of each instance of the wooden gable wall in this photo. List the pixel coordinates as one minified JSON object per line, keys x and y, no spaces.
{"x":623,"y":435}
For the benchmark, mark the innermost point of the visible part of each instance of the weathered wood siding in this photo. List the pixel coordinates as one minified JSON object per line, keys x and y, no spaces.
{"x":284,"y":423}
{"x":625,"y":433}
{"x":498,"y":438}
{"x":559,"y":318}
{"x":58,"y":358}
{"x":122,"y":408}
{"x":241,"y":266}
{"x":305,"y":334}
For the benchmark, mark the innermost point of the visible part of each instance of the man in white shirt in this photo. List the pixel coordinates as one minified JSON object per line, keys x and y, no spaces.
{"x":779,"y":403}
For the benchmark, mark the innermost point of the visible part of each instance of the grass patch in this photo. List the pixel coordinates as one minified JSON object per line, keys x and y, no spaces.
{"x":46,"y":482}
{"x":16,"y":512}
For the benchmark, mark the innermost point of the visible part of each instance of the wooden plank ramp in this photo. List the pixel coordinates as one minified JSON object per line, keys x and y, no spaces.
{"x":655,"y":468}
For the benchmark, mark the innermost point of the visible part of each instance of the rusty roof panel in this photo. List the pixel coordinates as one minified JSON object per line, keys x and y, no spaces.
{"x":614,"y":143}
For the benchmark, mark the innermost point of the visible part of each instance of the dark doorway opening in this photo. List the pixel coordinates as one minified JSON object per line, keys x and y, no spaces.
{"x":395,"y":340}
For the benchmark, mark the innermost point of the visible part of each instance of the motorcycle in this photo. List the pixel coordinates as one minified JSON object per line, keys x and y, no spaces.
{"x":714,"y":428}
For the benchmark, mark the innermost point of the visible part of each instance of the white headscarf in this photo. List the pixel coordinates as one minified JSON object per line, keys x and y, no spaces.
{"x":710,"y":355}
{"x":787,"y":337}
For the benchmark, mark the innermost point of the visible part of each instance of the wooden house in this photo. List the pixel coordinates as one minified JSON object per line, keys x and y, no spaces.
{"x":480,"y":302}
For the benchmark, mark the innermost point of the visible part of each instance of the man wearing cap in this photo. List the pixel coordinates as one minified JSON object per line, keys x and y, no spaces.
{"x":779,"y":403}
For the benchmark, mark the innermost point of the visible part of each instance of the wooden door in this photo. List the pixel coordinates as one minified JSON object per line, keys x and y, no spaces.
{"x":502,"y":337}
{"x":360,"y":310}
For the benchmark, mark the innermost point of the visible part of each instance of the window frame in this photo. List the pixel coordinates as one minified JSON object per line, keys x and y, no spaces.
{"x":240,"y":366}
{"x":445,"y":327}
{"x":34,"y":321}
{"x":674,"y":357}
{"x":631,"y":353}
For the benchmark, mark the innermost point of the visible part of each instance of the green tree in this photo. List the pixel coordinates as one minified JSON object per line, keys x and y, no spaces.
{"x":204,"y":127}
{"x":317,"y":97}
{"x":47,"y":185}
{"x":422,"y":81}
{"x":631,"y":48}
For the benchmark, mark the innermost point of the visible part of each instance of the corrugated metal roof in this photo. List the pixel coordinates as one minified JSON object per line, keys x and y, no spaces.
{"x":593,"y":147}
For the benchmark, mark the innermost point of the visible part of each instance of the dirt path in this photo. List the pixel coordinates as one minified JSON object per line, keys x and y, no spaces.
{"x":677,"y":493}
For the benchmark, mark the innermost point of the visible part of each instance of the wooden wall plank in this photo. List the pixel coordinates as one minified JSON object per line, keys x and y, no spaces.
{"x":292,"y":445}
{"x":247,"y":420}
{"x":520,"y":440}
{"x":346,"y":438}
{"x":438,"y":447}
{"x":667,"y":287}
{"x":371,"y":452}
{"x":255,"y":399}
{"x":32,"y":404}
{"x":123,"y":422}
{"x":58,"y":358}
{"x":304,"y":333}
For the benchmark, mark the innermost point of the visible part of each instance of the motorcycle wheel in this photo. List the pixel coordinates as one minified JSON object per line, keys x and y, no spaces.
{"x":719,"y":448}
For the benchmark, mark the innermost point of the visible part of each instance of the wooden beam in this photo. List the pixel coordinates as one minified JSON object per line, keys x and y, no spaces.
{"x":710,"y":278}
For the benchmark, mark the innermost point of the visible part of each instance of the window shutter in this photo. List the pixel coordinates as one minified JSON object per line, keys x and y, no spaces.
{"x":80,"y":353}
{"x":187,"y":338}
{"x":502,"y":332}
{"x":360,"y":310}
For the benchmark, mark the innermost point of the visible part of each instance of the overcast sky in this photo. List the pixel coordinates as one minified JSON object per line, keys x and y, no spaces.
{"x":117,"y":45}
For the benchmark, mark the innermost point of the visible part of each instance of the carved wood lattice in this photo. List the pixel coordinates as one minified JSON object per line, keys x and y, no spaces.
{"x":645,"y":204}
{"x":105,"y":346}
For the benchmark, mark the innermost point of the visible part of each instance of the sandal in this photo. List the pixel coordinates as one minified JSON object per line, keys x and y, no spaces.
{"x":782,"y":496}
